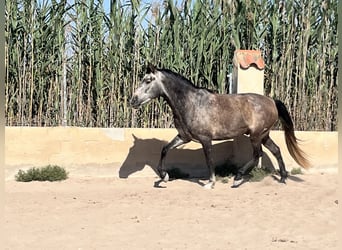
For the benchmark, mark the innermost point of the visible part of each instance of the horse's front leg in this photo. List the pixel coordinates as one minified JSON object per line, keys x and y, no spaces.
{"x":177,"y":141}
{"x":207,"y":148}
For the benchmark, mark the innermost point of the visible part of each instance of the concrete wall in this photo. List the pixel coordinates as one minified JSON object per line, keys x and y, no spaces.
{"x":135,"y":152}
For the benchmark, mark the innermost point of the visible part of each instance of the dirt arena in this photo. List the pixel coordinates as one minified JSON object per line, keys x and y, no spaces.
{"x":113,"y":213}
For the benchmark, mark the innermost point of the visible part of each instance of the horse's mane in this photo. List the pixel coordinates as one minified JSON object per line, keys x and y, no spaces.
{"x":182,"y":78}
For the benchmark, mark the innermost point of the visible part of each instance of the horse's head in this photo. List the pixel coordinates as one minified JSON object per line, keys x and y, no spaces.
{"x":150,"y":87}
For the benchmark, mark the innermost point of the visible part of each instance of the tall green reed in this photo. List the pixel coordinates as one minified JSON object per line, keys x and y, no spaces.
{"x":78,"y":64}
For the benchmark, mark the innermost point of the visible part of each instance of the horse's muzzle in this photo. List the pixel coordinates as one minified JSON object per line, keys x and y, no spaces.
{"x":134,"y":102}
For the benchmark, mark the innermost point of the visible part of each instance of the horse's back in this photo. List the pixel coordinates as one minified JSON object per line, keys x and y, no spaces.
{"x":254,"y":111}
{"x":221,"y":116}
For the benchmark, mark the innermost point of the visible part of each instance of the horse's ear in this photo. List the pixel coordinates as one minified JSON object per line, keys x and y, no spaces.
{"x":150,"y":68}
{"x":134,"y":137}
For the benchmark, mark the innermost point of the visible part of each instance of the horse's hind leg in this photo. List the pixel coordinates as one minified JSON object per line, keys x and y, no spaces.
{"x":274,"y":149}
{"x":257,"y":153}
{"x":177,"y":141}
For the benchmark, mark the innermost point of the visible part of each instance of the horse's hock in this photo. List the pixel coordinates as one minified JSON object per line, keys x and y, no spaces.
{"x":248,"y":72}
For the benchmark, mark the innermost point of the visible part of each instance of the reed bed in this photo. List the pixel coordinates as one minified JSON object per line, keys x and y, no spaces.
{"x":76,"y":63}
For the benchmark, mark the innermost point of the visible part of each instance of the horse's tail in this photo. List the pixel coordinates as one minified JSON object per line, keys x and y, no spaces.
{"x":291,"y":141}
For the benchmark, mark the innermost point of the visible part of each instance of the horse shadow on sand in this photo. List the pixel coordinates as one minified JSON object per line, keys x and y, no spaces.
{"x":145,"y":153}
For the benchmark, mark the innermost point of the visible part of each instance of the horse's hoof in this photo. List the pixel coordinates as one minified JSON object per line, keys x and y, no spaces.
{"x":282,"y":180}
{"x":237,"y":183}
{"x":166,"y":177}
{"x":209,"y":185}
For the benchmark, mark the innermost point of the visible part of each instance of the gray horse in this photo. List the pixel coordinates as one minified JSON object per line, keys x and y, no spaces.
{"x":202,"y":116}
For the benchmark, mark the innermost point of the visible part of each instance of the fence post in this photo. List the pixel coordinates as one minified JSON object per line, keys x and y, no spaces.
{"x":248,"y":77}
{"x":248,"y":72}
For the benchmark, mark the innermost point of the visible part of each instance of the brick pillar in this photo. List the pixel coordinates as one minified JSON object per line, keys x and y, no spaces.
{"x":248,"y":72}
{"x":248,"y":77}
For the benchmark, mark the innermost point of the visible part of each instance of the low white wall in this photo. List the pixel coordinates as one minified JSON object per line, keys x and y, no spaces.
{"x":125,"y":152}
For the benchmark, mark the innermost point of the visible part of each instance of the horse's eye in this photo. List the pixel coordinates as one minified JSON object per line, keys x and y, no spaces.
{"x":149,"y":80}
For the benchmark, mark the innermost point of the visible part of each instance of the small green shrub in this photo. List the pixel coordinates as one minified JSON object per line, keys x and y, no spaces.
{"x":224,"y":179}
{"x":295,"y":171}
{"x":48,"y":173}
{"x":258,"y":174}
{"x":224,"y":171}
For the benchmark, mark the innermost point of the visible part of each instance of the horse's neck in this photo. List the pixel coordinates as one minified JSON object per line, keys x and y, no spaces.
{"x":178,"y":95}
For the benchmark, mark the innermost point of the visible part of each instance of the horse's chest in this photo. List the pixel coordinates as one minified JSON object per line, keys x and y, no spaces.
{"x":183,"y":131}
{"x":196,"y":117}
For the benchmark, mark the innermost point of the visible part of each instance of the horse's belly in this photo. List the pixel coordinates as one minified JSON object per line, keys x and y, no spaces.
{"x":215,"y":131}
{"x":225,"y":134}
{"x":216,"y":125}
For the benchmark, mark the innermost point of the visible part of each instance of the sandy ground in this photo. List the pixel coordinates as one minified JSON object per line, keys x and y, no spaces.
{"x":112,"y":213}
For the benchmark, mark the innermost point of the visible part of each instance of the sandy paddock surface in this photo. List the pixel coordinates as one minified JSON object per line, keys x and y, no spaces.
{"x":112,"y":213}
